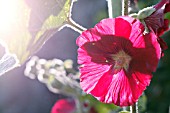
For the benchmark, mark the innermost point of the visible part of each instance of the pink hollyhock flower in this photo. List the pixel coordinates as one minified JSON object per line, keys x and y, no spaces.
{"x":64,"y":106}
{"x":117,"y":60}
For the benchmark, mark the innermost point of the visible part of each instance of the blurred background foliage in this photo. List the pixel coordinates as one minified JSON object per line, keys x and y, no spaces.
{"x":22,"y":95}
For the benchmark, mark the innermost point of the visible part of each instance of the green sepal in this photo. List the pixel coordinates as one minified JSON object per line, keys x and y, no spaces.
{"x":145,"y":12}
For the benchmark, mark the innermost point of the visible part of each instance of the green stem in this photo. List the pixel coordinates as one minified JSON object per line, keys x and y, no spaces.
{"x":134,"y":108}
{"x":110,"y":9}
{"x":75,"y":26}
{"x":71,"y":23}
{"x":78,"y":106}
{"x":125,"y":7}
{"x":124,"y":108}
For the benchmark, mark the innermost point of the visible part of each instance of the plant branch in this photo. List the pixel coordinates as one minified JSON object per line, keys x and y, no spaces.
{"x":125,"y":7}
{"x":71,"y":23}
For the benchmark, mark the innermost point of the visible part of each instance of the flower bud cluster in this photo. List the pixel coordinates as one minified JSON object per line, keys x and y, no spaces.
{"x":56,"y":74}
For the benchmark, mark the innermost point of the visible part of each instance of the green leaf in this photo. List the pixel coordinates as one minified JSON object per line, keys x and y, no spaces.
{"x":7,"y":62}
{"x":167,"y":16}
{"x":99,"y":106}
{"x":27,"y":24}
{"x":142,"y":103}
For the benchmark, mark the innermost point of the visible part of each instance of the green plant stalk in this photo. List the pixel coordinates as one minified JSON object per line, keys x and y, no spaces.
{"x":110,"y":9}
{"x":125,"y":7}
{"x":78,"y":106}
{"x":75,"y":26}
{"x":134,"y":108}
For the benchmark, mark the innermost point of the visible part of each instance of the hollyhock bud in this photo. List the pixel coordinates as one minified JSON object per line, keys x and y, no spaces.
{"x":117,"y":60}
{"x":156,"y":22}
{"x":69,"y":106}
{"x":145,"y":12}
{"x":64,"y":106}
{"x":153,"y":17}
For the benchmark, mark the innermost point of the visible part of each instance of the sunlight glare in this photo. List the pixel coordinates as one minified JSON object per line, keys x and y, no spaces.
{"x":8,"y":14}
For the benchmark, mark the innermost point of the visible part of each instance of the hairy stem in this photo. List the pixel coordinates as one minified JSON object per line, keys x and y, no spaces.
{"x":125,"y":7}
{"x":71,"y":23}
{"x":134,"y":108}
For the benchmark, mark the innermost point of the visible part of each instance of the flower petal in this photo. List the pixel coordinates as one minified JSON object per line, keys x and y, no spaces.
{"x":90,"y":75}
{"x":106,"y":26}
{"x":147,"y":58}
{"x":124,"y":89}
{"x":167,"y":8}
{"x":114,"y":27}
{"x":122,"y":28}
{"x":136,"y":35}
{"x":88,"y":36}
